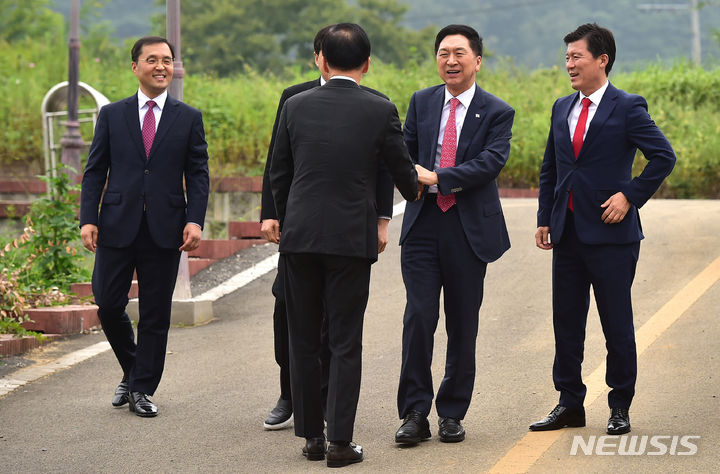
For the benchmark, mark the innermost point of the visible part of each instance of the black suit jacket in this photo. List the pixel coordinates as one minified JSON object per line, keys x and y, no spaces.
{"x":331,"y":142}
{"x":267,"y":211}
{"x":134,"y":182}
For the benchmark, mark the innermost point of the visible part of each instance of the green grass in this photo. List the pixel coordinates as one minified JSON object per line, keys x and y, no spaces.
{"x":683,"y":100}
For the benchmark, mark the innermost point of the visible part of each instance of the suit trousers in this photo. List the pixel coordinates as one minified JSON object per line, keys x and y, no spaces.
{"x":610,"y":269}
{"x":156,"y":267}
{"x":340,"y":286}
{"x":280,"y":333}
{"x":281,"y":341}
{"x":436,"y":255}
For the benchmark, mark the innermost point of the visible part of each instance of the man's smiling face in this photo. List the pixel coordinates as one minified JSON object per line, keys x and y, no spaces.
{"x":587,"y":73}
{"x":154,"y":78}
{"x":457,"y":63}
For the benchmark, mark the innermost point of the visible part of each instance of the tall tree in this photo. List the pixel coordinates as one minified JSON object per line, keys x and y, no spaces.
{"x":28,"y":19}
{"x":225,"y":36}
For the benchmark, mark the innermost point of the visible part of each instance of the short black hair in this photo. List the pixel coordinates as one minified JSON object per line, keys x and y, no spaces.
{"x":346,"y":46}
{"x":317,"y":43}
{"x":138,"y":46}
{"x":599,"y":41}
{"x":476,"y":42}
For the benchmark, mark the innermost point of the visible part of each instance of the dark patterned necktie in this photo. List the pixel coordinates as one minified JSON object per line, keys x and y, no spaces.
{"x":148,"y":127}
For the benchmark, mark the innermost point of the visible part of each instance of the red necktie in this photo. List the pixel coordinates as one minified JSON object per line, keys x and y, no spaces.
{"x":148,"y":127}
{"x":447,"y":154}
{"x":579,"y":135}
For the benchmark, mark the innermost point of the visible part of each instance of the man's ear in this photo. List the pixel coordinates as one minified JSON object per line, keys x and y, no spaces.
{"x":604,"y":59}
{"x":366,"y":66}
{"x":324,"y":67}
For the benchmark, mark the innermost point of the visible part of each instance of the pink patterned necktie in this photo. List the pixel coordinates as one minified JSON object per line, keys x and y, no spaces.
{"x":148,"y":127}
{"x":447,"y":154}
{"x":579,"y":137}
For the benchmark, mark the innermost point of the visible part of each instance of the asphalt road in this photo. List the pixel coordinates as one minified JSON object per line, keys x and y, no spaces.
{"x":221,"y":379}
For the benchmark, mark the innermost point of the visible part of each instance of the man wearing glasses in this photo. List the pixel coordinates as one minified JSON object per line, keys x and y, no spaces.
{"x":137,"y":216}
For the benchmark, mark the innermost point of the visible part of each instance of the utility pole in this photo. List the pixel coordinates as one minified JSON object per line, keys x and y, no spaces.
{"x":695,"y":24}
{"x":172,"y":25}
{"x":72,"y":141}
{"x":172,"y":9}
{"x":694,"y":10}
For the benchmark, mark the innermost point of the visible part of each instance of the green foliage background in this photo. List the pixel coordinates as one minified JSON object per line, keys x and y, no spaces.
{"x":239,"y":110}
{"x":240,"y":54}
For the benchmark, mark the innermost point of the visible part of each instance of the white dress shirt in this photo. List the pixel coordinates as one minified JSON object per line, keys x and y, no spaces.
{"x":157,"y":110}
{"x":465,"y":99}
{"x":595,"y":99}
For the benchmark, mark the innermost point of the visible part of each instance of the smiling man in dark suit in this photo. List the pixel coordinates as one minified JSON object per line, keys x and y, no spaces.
{"x":459,"y":135}
{"x":331,"y":141}
{"x":588,"y":204}
{"x":143,"y":220}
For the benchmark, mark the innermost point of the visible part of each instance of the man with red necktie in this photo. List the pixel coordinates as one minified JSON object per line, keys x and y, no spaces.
{"x":144,"y":196}
{"x":459,"y":137}
{"x":588,"y":204}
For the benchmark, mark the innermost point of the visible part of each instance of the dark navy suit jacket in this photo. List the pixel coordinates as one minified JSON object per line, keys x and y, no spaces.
{"x":620,"y":127}
{"x":117,"y":156}
{"x":482,"y":151}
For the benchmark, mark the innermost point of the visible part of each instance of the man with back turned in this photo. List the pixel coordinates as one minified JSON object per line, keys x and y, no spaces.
{"x":330,"y":143}
{"x":281,"y":415}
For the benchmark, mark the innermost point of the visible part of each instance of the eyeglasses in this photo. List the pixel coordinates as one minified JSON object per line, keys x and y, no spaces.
{"x":152,"y":61}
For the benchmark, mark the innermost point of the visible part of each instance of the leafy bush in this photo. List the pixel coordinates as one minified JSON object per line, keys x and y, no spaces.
{"x":39,"y":266}
{"x":684,"y":101}
{"x":55,"y":239}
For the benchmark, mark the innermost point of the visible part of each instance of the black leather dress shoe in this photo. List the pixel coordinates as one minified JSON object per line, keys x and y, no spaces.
{"x":141,"y":405}
{"x":280,"y":417}
{"x":415,"y":428}
{"x":619,"y":422}
{"x":314,"y":449}
{"x":121,"y":394}
{"x":451,"y":431}
{"x":342,"y":454}
{"x":560,"y":417}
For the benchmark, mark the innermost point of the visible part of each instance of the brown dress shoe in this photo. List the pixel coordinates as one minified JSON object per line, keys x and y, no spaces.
{"x":342,"y":454}
{"x":314,"y":449}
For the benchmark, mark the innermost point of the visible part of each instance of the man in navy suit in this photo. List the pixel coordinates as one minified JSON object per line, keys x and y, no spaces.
{"x":459,"y":136}
{"x":588,"y":205}
{"x":135,"y":215}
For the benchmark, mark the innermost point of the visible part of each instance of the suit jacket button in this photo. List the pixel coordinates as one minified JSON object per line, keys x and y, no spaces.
{"x":147,"y":171}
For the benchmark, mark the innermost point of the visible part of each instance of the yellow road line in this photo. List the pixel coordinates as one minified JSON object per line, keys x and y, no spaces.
{"x":522,"y":456}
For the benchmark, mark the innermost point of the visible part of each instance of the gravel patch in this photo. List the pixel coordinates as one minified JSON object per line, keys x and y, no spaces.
{"x":222,"y":270}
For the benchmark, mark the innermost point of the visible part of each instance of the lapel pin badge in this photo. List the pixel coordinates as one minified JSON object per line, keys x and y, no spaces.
{"x":477,"y":115}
